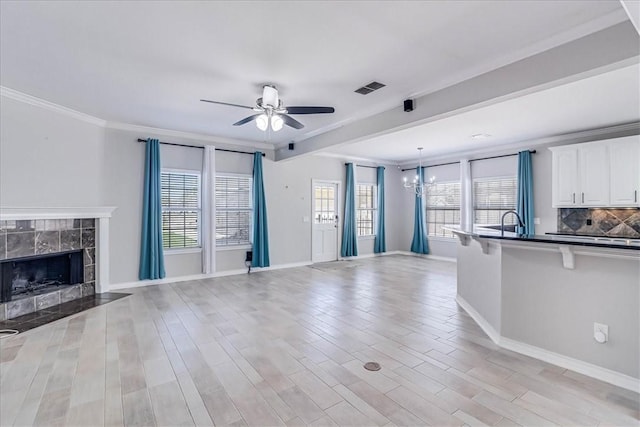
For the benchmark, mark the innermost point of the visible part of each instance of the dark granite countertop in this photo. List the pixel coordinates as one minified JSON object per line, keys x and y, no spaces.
{"x":600,"y":242}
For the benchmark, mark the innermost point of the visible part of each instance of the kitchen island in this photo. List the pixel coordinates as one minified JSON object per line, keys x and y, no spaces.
{"x":541,"y":296}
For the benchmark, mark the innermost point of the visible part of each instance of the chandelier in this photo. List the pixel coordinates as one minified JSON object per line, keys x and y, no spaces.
{"x":418,"y":187}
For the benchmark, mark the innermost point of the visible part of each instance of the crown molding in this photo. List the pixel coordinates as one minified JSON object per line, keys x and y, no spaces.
{"x":38,"y":102}
{"x":146,"y":130}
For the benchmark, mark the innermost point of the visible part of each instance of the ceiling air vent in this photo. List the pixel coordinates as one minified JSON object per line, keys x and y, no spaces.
{"x":369,"y":88}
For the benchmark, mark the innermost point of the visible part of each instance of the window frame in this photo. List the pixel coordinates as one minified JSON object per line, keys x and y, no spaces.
{"x":198,"y":174}
{"x":509,"y":220}
{"x":236,"y":246}
{"x":373,"y":209}
{"x":430,"y":211}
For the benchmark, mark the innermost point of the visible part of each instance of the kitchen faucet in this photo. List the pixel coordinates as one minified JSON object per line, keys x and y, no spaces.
{"x":520,"y":223}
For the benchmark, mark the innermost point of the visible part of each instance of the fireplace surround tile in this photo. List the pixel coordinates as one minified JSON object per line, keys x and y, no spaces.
{"x":3,"y":245}
{"x":70,"y":240}
{"x":21,"y":244}
{"x":89,"y":273}
{"x":47,"y":300}
{"x":20,"y":307}
{"x":88,"y":223}
{"x":89,"y":256}
{"x":88,"y":237}
{"x":70,"y":293}
{"x":47,"y":242}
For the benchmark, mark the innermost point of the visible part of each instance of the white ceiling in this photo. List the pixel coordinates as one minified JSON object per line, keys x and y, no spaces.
{"x":148,"y":63}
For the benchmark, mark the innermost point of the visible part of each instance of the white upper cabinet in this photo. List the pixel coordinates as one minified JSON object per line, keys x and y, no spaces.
{"x":625,"y":171}
{"x":565,"y":176}
{"x":594,"y":175}
{"x":597,"y":174}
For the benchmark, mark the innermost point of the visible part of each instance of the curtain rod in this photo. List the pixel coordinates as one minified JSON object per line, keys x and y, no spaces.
{"x":497,"y":157}
{"x":472,"y":160}
{"x":201,"y":147}
{"x":432,"y":166}
{"x":364,"y":166}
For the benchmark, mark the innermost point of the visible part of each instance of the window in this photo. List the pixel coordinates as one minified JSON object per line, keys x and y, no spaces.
{"x":365,"y":209}
{"x":233,"y":210}
{"x":180,"y":199}
{"x":443,"y":207}
{"x":325,"y":211}
{"x":492,"y":197}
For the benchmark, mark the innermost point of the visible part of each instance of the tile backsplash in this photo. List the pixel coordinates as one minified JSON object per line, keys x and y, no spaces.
{"x":600,"y":222}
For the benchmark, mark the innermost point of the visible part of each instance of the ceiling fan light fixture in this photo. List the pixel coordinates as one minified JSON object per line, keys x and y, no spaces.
{"x":276,"y":123}
{"x":262,"y":122}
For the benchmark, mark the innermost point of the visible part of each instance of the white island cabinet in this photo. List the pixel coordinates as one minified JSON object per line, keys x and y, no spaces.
{"x":597,"y":174}
{"x":543,"y":298}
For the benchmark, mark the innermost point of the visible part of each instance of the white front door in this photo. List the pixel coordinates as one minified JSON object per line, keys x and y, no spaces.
{"x":325,"y":221}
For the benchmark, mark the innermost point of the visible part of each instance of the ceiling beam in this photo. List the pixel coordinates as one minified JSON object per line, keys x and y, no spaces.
{"x":602,"y":51}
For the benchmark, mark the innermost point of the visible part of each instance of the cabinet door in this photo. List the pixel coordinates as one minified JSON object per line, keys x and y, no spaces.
{"x":565,"y":177}
{"x":625,"y":171}
{"x":594,"y":175}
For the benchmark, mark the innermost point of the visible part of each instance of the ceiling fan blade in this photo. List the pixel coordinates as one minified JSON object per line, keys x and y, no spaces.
{"x":310,"y":110}
{"x":290,"y":121}
{"x":226,"y":103}
{"x":247,"y":120}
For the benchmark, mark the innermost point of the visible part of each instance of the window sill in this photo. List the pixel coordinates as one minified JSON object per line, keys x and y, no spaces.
{"x":233,"y":248}
{"x":369,"y":237}
{"x":182,"y":251}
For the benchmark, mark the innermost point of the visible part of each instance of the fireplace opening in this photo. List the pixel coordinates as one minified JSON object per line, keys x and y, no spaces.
{"x":36,"y":275}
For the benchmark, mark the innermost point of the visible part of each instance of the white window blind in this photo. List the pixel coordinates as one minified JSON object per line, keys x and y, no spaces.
{"x":180,"y":200}
{"x":492,"y":197}
{"x":443,"y":207}
{"x":365,"y":208}
{"x":233,"y":209}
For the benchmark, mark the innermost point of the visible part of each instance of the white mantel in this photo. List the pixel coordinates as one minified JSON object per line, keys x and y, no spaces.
{"x":20,"y":213}
{"x":100,"y":213}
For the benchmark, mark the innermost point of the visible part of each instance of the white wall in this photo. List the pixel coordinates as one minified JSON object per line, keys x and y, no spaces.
{"x":287,"y":189}
{"x":48,"y":159}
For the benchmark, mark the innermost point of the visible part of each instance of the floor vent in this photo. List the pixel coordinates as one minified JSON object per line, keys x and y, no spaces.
{"x":372,"y":366}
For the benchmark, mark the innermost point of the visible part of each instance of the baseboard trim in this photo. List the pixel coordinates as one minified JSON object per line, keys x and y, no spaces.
{"x":582,"y":367}
{"x":178,"y":279}
{"x":481,"y":321}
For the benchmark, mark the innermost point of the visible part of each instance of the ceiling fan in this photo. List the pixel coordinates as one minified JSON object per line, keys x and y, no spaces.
{"x":270,"y":111}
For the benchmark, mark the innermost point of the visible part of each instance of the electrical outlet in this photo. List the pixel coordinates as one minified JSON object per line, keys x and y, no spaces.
{"x":600,"y":333}
{"x":536,"y":221}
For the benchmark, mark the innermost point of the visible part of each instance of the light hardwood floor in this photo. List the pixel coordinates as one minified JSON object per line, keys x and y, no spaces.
{"x":286,"y":347}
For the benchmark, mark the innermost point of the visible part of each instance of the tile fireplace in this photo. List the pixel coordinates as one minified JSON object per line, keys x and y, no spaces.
{"x":51,"y":256}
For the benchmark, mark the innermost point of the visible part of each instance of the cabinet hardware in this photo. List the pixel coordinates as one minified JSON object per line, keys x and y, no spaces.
{"x":582,"y":197}
{"x":574,"y":197}
{"x":635,"y":196}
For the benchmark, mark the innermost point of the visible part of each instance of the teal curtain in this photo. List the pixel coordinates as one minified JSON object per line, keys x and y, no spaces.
{"x":151,"y":253}
{"x":349,"y":233}
{"x":260,"y":231}
{"x":525,"y":194}
{"x":380,"y":244}
{"x":419,"y":245}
